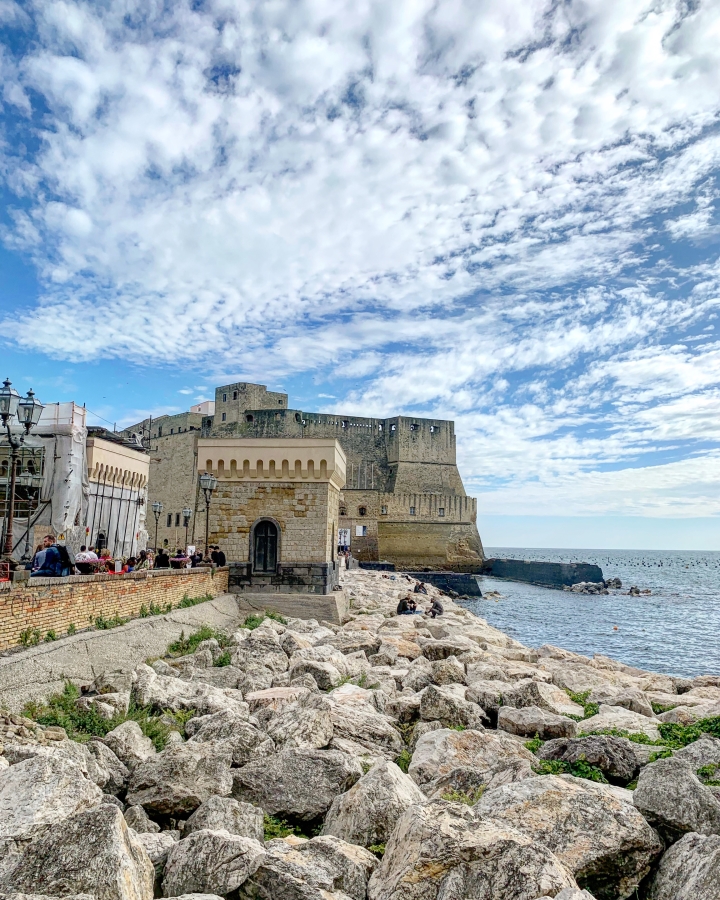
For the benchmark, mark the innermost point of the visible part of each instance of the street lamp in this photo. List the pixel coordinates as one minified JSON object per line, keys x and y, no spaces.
{"x":157,"y":508}
{"x":187,"y":512}
{"x":208,"y":483}
{"x":27,"y":410}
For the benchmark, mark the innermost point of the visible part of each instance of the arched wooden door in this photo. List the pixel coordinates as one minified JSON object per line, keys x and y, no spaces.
{"x":265,"y":543}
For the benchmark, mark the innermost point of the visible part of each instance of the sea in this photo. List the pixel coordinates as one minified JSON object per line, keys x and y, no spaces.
{"x":674,"y":630}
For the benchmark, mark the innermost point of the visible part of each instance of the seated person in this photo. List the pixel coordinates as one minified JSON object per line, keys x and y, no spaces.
{"x":420,"y":588}
{"x":49,"y":562}
{"x":85,"y":560}
{"x":403,"y":608}
{"x":162,"y":560}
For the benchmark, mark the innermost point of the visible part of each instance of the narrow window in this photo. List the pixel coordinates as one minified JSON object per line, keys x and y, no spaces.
{"x":177,"y":520}
{"x":169,"y":520}
{"x":224,"y":416}
{"x":383,"y":510}
{"x":234,"y":395}
{"x":280,"y":402}
{"x":432,"y":429}
{"x":344,"y":423}
{"x":441,"y":511}
{"x":224,"y":398}
{"x":160,"y":431}
{"x":412,"y":510}
{"x":172,"y":431}
{"x":380,"y":428}
{"x":392,"y":428}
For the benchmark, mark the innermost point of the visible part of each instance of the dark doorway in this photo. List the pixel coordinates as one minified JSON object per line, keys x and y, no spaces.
{"x":265,"y":543}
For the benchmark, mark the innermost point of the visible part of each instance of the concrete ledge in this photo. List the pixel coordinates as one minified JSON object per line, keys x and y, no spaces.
{"x":34,"y":673}
{"x":333,"y":607}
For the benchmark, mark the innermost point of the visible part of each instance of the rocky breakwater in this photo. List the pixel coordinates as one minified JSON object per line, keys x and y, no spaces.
{"x":391,"y":758}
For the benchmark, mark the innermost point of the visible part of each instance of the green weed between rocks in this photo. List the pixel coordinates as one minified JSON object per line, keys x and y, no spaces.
{"x":403,"y":761}
{"x":580,"y":769}
{"x":223,"y":660}
{"x":589,"y":709}
{"x":81,"y":725}
{"x":377,"y":849}
{"x":709,"y":774}
{"x":535,"y":744}
{"x":469,"y":798}
{"x":50,"y":636}
{"x":659,"y":708}
{"x":185,"y":645}
{"x":672,"y":736}
{"x":255,"y":620}
{"x":277,"y":828}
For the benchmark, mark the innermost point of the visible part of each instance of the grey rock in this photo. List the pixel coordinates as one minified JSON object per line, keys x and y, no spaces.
{"x":405,"y":708}
{"x":215,"y":862}
{"x":255,"y":677}
{"x":690,"y":870}
{"x":118,"y":773}
{"x":161,"y":692}
{"x":137,"y":819}
{"x":703,"y":752}
{"x":448,"y":671}
{"x":443,"y":851}
{"x":73,"y":751}
{"x":157,"y":847}
{"x":355,"y":718}
{"x":368,"y":812}
{"x":300,"y":784}
{"x":237,"y":736}
{"x":42,"y":791}
{"x":675,"y":801}
{"x":264,"y":646}
{"x":302,"y":726}
{"x":324,"y":868}
{"x":547,"y":696}
{"x":614,"y":756}
{"x":94,"y":852}
{"x":594,"y":830}
{"x":440,"y":704}
{"x":226,"y":814}
{"x":129,"y":744}
{"x":441,"y":648}
{"x":419,"y":730}
{"x":325,"y":674}
{"x":620,"y":719}
{"x":176,"y":781}
{"x":629,"y":698}
{"x":438,"y":752}
{"x":531,"y":720}
{"x":118,"y":682}
{"x":487,"y":694}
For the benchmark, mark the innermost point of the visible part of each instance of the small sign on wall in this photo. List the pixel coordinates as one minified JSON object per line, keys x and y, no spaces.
{"x":360,"y":530}
{"x":343,"y":537}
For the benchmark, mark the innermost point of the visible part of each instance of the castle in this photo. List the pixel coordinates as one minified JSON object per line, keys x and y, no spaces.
{"x":401,"y":497}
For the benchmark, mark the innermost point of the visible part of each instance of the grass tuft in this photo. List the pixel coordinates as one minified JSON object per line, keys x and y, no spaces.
{"x":580,"y":769}
{"x":469,"y":798}
{"x":255,"y":620}
{"x":377,"y":849}
{"x":185,"y":645}
{"x":276,"y":828}
{"x":403,"y":761}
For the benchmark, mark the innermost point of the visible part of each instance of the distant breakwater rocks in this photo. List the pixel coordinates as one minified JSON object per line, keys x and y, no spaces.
{"x":388,"y":758}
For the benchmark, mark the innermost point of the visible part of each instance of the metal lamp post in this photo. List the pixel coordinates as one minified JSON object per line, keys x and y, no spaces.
{"x":28,"y":480}
{"x":157,"y":508}
{"x":208,"y":483}
{"x":27,"y":410}
{"x":187,"y":512}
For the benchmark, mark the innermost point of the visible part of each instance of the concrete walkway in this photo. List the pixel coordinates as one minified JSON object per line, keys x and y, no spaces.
{"x":35,"y":673}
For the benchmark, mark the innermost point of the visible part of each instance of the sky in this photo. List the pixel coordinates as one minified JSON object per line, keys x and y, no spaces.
{"x":499,"y":213}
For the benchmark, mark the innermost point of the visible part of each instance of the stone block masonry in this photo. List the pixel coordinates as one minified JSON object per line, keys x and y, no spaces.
{"x":53,"y":604}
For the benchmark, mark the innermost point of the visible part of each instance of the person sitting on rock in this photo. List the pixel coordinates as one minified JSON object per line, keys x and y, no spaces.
{"x":403,"y":607}
{"x":436,"y":609}
{"x":420,"y":588}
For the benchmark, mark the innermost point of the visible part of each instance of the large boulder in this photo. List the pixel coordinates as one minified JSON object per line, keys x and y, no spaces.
{"x":614,"y":756}
{"x":300,"y":784}
{"x":91,"y":765}
{"x":593,"y":829}
{"x":324,"y":868}
{"x":164,"y":692}
{"x":616,"y":718}
{"x":616,"y":695}
{"x":275,"y":698}
{"x":703,"y":752}
{"x":176,"y":781}
{"x":239,"y":737}
{"x":532,"y":720}
{"x":325,"y":674}
{"x":442,"y":648}
{"x":690,"y":870}
{"x":263,"y":646}
{"x":487,"y":694}
{"x":137,"y":819}
{"x":355,"y":718}
{"x":441,"y":704}
{"x":529,"y":692}
{"x":213,"y":862}
{"x":94,"y":852}
{"x":129,"y":744}
{"x":306,"y":725}
{"x":444,"y":851}
{"x":675,"y":801}
{"x":448,"y":671}
{"x":439,"y":752}
{"x":108,"y":762}
{"x":40,"y":792}
{"x":368,"y":812}
{"x":226,"y":814}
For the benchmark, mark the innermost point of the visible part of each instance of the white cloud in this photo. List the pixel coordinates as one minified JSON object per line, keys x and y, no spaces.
{"x":474,"y":209}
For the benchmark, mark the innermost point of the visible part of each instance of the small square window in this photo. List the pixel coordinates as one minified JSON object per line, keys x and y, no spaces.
{"x":383,"y":510}
{"x":224,"y":416}
{"x":441,"y":511}
{"x":412,"y":510}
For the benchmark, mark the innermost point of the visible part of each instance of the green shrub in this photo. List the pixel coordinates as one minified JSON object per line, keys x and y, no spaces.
{"x":184,"y":645}
{"x":103,"y":624}
{"x":255,"y":620}
{"x":377,"y":849}
{"x":71,"y":628}
{"x":535,"y":744}
{"x":580,"y":769}
{"x":144,"y":612}
{"x":223,"y":660}
{"x":589,"y":709}
{"x":659,"y":754}
{"x":276,"y":828}
{"x":50,"y":636}
{"x":709,"y":774}
{"x":469,"y":798}
{"x":659,"y":708}
{"x":30,"y":637}
{"x":403,"y":761}
{"x":193,"y":601}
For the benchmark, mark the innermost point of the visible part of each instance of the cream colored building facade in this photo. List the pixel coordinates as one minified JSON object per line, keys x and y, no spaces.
{"x":276,"y":509}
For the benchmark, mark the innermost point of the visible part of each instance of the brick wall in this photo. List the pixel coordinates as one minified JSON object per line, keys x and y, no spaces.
{"x":55,"y":603}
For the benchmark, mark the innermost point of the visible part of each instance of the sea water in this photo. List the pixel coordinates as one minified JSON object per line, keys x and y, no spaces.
{"x":675,"y":629}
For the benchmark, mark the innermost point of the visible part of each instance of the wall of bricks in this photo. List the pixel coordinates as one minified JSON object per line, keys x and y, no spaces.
{"x":55,"y":603}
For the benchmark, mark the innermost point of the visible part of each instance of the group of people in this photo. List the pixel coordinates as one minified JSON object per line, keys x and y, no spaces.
{"x":53,"y":560}
{"x":408,"y":605}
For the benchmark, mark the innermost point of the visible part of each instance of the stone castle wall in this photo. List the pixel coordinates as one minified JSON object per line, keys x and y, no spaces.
{"x":53,"y":604}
